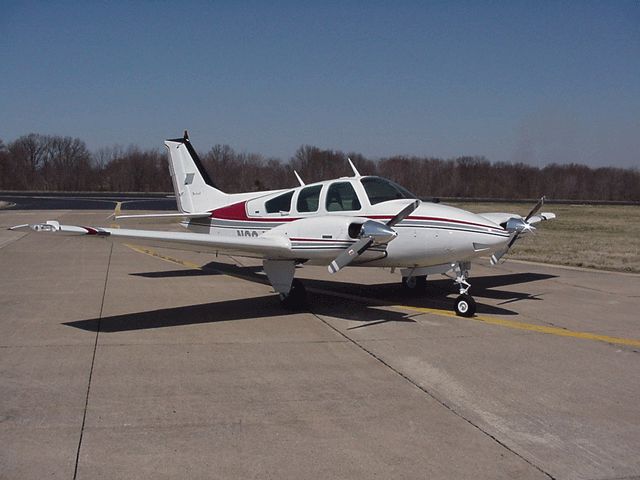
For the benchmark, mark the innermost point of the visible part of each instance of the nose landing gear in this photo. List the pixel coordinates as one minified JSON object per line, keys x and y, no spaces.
{"x":414,"y":281}
{"x":465,"y":305}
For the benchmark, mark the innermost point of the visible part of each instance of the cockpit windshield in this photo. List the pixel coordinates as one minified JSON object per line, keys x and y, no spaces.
{"x":382,"y":190}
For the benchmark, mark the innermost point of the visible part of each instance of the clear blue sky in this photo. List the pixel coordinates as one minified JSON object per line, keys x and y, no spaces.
{"x":533,"y":81}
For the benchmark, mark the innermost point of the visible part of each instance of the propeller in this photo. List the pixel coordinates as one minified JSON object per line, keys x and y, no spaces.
{"x":404,"y":213}
{"x":535,"y":209}
{"x":517,"y":226}
{"x":371,"y":233}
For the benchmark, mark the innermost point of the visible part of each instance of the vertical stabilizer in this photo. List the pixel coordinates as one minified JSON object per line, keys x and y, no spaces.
{"x":195,"y":192}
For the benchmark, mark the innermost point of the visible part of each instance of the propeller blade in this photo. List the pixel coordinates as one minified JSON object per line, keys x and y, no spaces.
{"x":518,"y":225}
{"x":512,"y":240}
{"x":347,"y":256}
{"x":535,"y":209}
{"x":495,"y":258}
{"x":405,"y":212}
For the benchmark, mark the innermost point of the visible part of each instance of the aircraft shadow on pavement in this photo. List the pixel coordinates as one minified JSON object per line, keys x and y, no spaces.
{"x":193,"y":272}
{"x":482,"y":287}
{"x":363,"y":307}
{"x":435,"y":295}
{"x":485,"y":286}
{"x":232,"y":310}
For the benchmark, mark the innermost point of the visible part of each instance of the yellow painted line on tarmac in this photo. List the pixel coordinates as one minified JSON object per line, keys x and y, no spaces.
{"x":561,"y":332}
{"x":152,"y":253}
{"x":184,"y":263}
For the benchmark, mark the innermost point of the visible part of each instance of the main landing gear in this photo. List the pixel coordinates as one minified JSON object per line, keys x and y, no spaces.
{"x":296,"y":298}
{"x":414,"y":284}
{"x":465,"y":305}
{"x":293,"y":295}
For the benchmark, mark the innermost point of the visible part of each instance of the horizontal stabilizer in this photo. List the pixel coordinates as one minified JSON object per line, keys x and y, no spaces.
{"x":163,"y":217}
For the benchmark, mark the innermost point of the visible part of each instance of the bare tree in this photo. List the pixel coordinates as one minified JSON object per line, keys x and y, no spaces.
{"x":27,"y":154}
{"x":67,"y":164}
{"x":42,"y":162}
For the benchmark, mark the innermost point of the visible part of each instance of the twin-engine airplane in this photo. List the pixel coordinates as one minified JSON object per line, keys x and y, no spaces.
{"x":361,"y":221}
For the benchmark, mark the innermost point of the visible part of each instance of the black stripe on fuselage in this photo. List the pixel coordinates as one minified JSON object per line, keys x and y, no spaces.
{"x":434,"y":227}
{"x":257,"y":225}
{"x":457,"y":229}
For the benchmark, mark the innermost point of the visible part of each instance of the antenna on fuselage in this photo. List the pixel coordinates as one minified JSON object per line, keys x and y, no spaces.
{"x":356,"y":173}
{"x":302,"y":184}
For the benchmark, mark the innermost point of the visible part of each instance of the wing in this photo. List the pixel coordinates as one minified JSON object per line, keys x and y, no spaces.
{"x":502,"y":218}
{"x":541,"y":217}
{"x":271,"y":246}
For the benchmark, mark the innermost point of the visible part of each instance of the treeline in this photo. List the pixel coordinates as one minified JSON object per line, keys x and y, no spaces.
{"x":54,"y":163}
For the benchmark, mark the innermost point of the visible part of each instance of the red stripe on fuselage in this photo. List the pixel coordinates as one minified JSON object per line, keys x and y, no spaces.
{"x":238,"y":212}
{"x":333,"y":240}
{"x":435,"y":219}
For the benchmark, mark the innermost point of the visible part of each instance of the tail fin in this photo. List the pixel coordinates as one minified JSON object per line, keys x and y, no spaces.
{"x":195,"y":192}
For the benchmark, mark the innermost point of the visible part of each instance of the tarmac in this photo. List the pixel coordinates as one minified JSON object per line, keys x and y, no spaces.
{"x":123,"y":361}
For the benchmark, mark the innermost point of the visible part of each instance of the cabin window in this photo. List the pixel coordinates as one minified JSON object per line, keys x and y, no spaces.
{"x":309,"y":198}
{"x":381,"y":190}
{"x":341,"y":197}
{"x":281,"y":203}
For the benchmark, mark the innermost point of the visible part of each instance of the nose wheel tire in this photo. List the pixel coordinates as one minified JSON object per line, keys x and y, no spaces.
{"x":465,"y":306}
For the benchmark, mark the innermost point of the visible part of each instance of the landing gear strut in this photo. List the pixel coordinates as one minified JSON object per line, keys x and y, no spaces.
{"x":414,"y":284}
{"x":465,"y":305}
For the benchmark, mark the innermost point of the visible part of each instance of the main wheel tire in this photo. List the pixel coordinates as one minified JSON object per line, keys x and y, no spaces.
{"x":414,"y":284}
{"x":465,"y":306}
{"x":296,"y":298}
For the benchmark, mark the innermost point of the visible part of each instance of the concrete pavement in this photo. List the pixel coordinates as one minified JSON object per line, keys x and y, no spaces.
{"x":120,"y":364}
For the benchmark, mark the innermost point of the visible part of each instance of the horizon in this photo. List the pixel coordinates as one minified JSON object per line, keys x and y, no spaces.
{"x":511,"y":82}
{"x":114,"y":151}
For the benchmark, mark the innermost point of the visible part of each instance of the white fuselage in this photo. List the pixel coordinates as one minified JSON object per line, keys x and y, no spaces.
{"x":433,"y":234}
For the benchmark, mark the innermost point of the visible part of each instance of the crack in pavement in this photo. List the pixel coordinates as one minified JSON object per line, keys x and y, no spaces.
{"x":432,"y":395}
